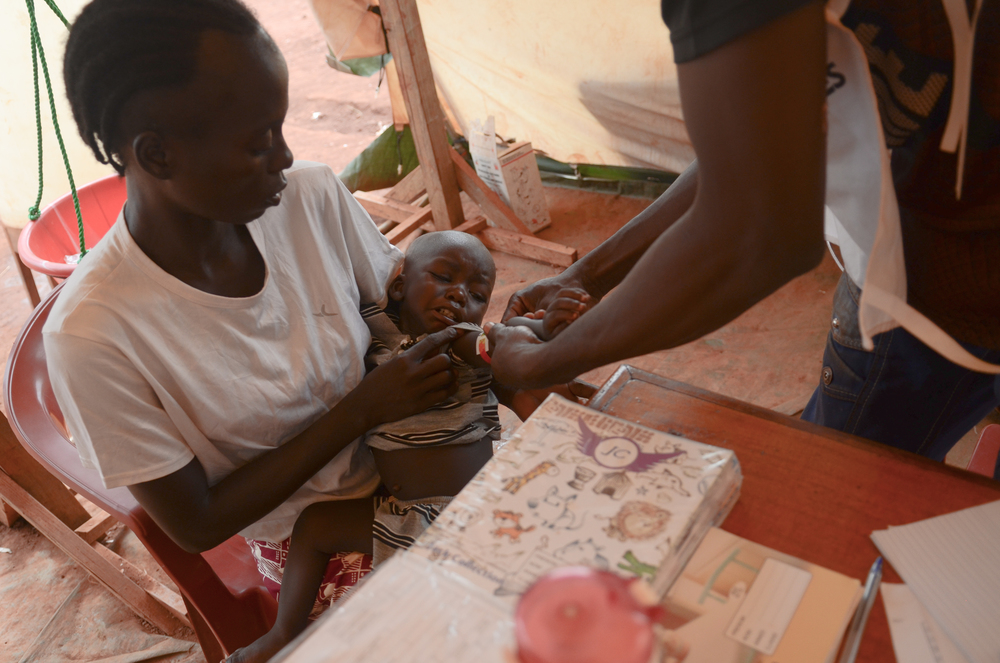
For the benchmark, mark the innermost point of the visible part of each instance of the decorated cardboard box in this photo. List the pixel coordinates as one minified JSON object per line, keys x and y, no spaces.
{"x":574,"y":486}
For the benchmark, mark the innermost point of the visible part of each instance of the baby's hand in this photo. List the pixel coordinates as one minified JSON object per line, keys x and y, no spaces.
{"x":568,"y":305}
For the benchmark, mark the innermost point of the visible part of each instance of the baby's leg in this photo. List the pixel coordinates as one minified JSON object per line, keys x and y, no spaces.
{"x":322,"y":529}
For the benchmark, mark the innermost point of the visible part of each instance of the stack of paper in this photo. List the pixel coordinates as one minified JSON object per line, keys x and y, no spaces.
{"x":952,"y":564}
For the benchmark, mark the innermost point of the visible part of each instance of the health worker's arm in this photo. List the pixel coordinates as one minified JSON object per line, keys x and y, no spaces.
{"x":747,"y":219}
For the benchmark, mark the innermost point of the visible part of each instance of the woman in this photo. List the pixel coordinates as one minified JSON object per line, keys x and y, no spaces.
{"x":208,"y":352}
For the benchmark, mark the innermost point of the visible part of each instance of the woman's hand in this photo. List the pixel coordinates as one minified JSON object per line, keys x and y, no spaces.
{"x":410,"y":383}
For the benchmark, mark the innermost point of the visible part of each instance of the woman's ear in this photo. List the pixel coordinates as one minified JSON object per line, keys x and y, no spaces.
{"x":396,"y":288}
{"x":150,"y":155}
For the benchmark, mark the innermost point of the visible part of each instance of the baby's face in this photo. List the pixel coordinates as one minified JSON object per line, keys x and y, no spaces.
{"x":439,"y":289}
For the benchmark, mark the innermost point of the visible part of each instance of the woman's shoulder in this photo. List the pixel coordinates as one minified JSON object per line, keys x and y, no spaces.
{"x":310,"y":178}
{"x":94,"y":284}
{"x":314,"y":199}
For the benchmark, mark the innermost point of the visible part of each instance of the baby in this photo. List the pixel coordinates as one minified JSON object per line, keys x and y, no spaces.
{"x":426,"y":459}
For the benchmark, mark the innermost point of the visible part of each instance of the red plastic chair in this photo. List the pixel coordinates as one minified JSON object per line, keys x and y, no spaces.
{"x":984,"y":456}
{"x":45,"y":244}
{"x":226,"y":600}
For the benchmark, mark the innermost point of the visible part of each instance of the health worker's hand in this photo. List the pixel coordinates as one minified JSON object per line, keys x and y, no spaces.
{"x":541,"y":294}
{"x":515,"y":357}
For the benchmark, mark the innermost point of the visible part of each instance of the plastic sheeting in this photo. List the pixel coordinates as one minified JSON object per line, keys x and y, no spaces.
{"x":18,"y":137}
{"x":585,"y":81}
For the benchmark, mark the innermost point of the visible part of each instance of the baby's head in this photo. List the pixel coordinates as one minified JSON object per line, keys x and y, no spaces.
{"x":447,"y":278}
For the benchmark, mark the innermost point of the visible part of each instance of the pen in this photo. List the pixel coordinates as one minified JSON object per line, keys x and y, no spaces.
{"x":857,"y":627}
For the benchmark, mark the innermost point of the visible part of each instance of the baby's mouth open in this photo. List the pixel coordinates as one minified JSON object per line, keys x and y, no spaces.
{"x":447,"y":313}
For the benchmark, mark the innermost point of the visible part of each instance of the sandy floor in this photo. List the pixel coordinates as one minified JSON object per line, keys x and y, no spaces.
{"x":770,"y":356}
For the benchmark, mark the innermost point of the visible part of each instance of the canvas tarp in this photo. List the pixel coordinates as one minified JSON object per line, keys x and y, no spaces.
{"x":586,"y":81}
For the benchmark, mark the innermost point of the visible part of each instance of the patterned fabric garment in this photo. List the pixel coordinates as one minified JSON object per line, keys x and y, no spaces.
{"x":343,"y":573}
{"x":468,"y":416}
{"x":398,"y":523}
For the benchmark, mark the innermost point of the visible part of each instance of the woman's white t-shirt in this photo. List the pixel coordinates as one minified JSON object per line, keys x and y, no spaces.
{"x":151,"y":373}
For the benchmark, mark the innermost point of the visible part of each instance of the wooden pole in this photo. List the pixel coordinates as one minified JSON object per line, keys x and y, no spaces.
{"x":164,"y":616}
{"x":36,"y":480}
{"x":409,"y":51}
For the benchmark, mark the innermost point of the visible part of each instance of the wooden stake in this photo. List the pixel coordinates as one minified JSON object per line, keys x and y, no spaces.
{"x":472,"y":227}
{"x":29,"y":474}
{"x":528,"y":246}
{"x":8,"y":514}
{"x":399,"y":116}
{"x":142,"y":603}
{"x":409,"y":188}
{"x":409,"y":225}
{"x":96,"y":527}
{"x":393,"y":210}
{"x":409,"y":51}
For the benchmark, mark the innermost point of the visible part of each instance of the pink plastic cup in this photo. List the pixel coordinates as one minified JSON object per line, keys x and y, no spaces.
{"x":577,"y":614}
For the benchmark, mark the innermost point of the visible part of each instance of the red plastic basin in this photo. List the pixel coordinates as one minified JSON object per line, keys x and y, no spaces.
{"x":45,"y":244}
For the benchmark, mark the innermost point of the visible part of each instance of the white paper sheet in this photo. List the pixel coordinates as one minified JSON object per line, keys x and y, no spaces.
{"x":952,"y":565}
{"x":916,"y":637}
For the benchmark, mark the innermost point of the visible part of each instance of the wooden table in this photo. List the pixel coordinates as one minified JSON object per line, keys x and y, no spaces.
{"x":807,"y":491}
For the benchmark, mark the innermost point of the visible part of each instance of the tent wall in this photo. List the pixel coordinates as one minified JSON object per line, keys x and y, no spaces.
{"x":586,"y":81}
{"x":18,"y":137}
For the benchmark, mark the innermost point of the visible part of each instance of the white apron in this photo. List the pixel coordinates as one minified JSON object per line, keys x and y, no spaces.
{"x":862,"y":214}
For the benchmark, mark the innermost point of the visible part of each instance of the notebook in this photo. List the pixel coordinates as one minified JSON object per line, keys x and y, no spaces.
{"x":740,"y":602}
{"x":575,"y":486}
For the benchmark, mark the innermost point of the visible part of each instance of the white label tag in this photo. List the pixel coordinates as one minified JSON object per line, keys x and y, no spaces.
{"x":768,"y":608}
{"x":483,"y":147}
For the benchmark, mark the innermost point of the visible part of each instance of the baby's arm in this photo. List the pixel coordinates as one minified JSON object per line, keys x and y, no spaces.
{"x":467,"y":347}
{"x":569,"y":305}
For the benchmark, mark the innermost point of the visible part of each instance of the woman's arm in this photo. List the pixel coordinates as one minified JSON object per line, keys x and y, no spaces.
{"x":754,"y":111}
{"x":198,"y":516}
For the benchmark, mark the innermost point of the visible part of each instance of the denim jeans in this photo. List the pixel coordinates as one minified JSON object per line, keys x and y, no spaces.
{"x":903,"y":393}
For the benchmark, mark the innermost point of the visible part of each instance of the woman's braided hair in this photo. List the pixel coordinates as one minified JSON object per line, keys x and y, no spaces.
{"x":119,"y":48}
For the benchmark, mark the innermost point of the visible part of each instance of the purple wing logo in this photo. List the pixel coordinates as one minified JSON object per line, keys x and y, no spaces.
{"x":618,"y":453}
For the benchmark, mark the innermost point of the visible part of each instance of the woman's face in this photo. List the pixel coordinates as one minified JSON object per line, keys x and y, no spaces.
{"x":224,"y":144}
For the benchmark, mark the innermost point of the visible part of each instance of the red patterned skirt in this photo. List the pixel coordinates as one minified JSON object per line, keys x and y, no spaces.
{"x":344,"y":571}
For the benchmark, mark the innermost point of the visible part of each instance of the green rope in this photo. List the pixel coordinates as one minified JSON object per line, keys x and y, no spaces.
{"x":38,"y":54}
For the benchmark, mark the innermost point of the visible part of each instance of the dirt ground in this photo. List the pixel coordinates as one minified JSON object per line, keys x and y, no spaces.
{"x":332,"y":116}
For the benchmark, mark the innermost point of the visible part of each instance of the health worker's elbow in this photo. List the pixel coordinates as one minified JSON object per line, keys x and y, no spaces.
{"x":798,"y":247}
{"x":805,"y":256}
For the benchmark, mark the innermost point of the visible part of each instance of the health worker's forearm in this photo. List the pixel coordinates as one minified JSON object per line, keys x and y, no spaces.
{"x":604,"y":268}
{"x":754,"y":110}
